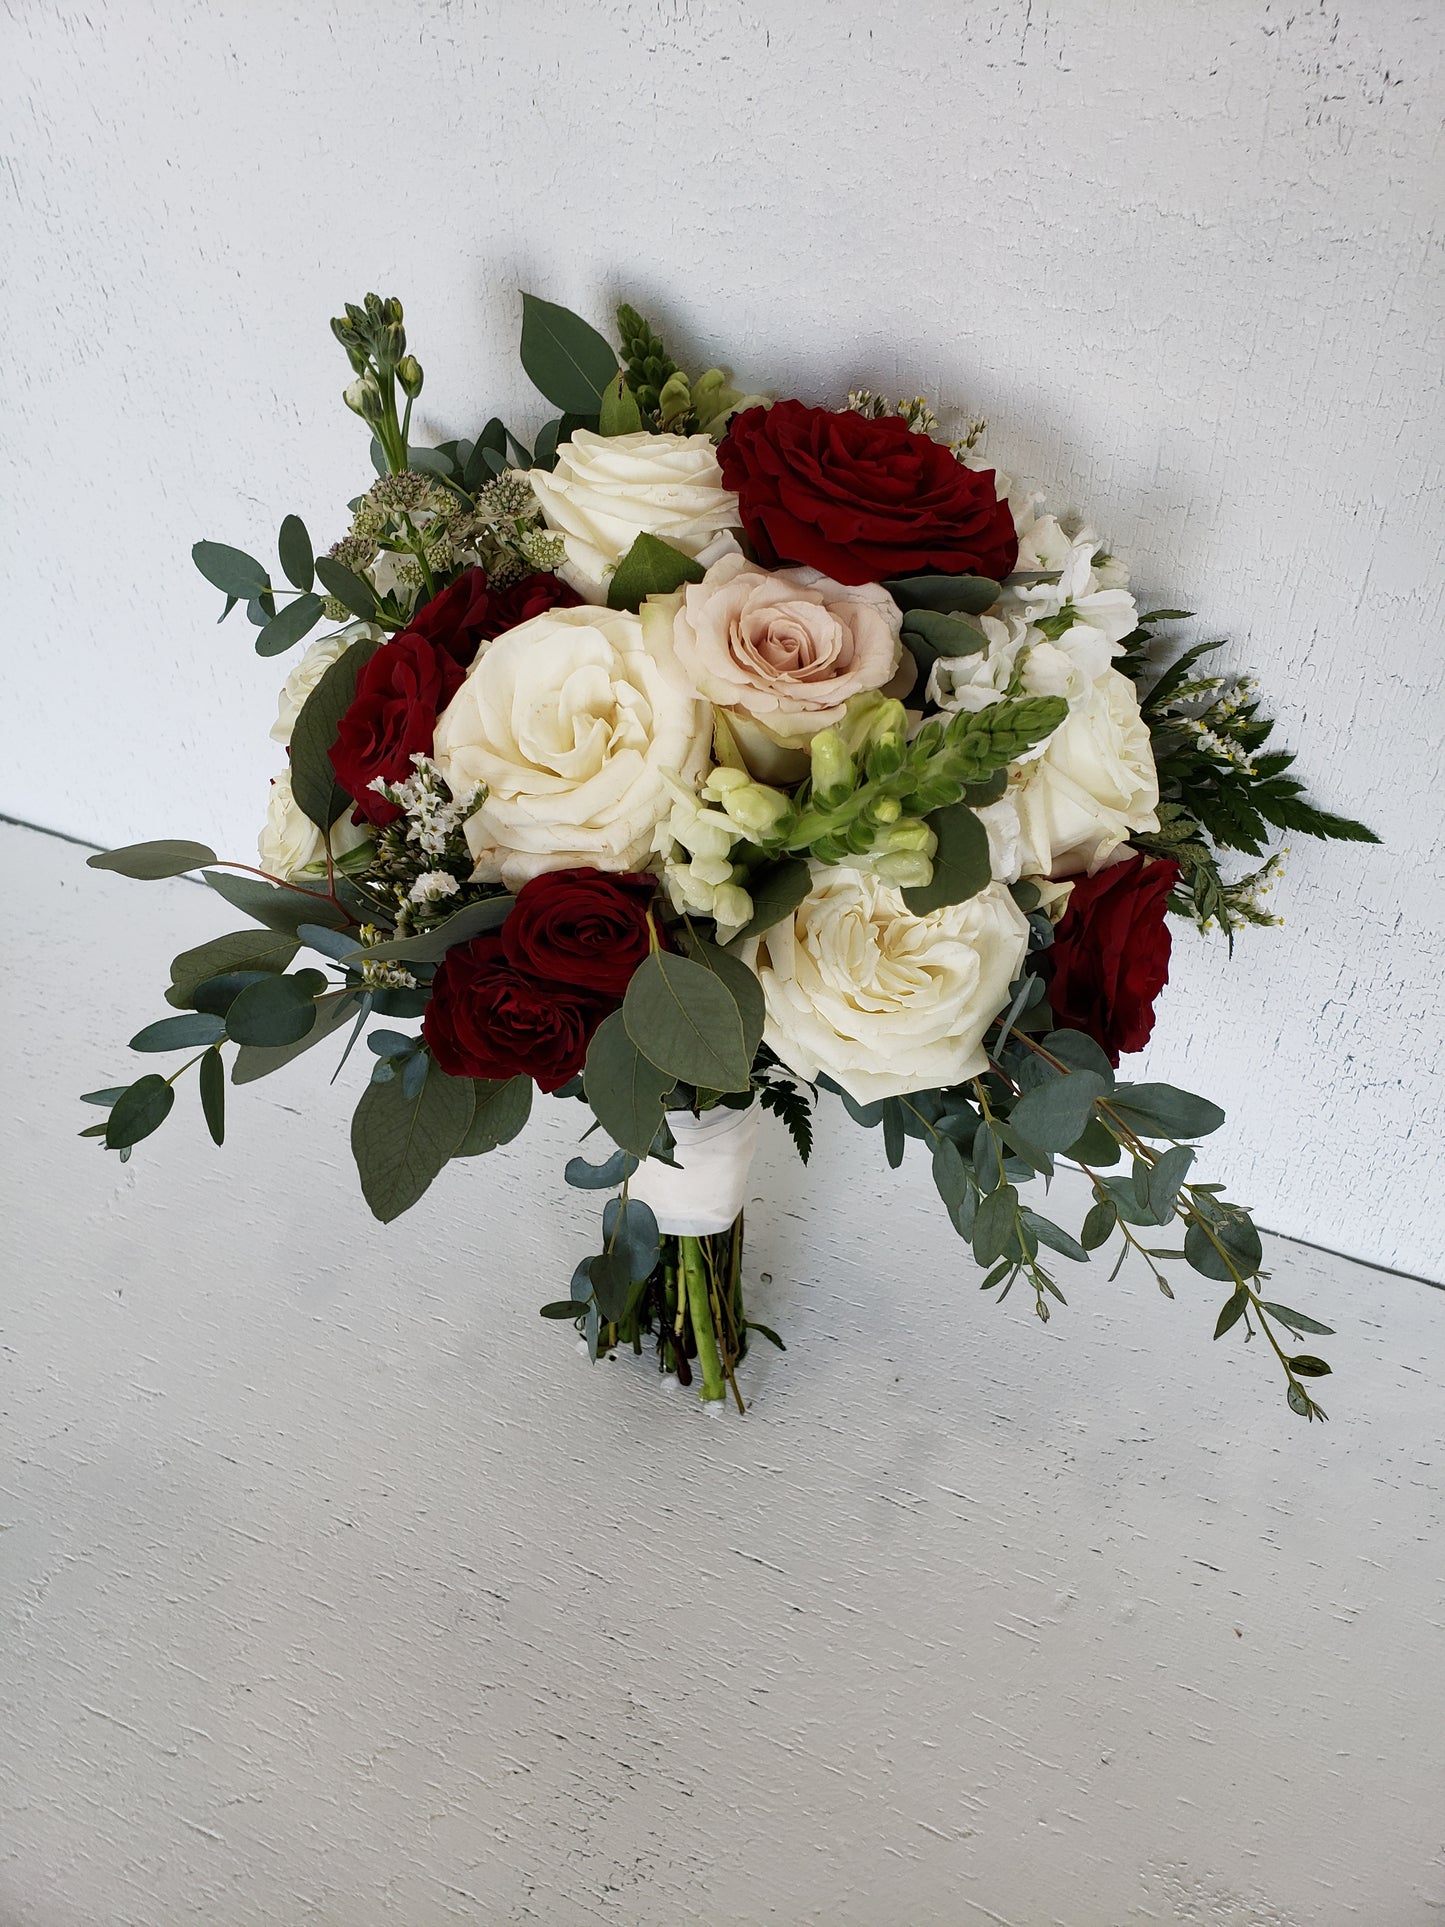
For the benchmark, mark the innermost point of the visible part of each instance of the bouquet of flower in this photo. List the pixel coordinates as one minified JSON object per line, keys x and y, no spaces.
{"x":710,"y":753}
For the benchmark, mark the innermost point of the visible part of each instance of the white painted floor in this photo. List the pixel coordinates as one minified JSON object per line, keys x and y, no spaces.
{"x":334,"y":1588}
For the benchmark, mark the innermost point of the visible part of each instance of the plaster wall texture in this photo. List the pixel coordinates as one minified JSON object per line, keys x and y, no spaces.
{"x":336,"y":1590}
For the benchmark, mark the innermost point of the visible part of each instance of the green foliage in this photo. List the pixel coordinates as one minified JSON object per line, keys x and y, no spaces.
{"x":500,"y":1110}
{"x":948,"y":595}
{"x":474,"y":920}
{"x":232,"y":571}
{"x":789,"y":1099}
{"x":684,"y":1018}
{"x":180,"y":1033}
{"x":347,"y":587}
{"x":960,"y":863}
{"x":565,"y":357}
{"x":212,"y":1078}
{"x":289,"y":625}
{"x":619,"y":413}
{"x":776,"y":890}
{"x":313,"y":780}
{"x":650,"y":567}
{"x":240,"y":950}
{"x":254,"y":1061}
{"x":279,"y":909}
{"x":1220,"y":790}
{"x":149,"y":861}
{"x":275,"y":1011}
{"x":297,"y":554}
{"x":401,"y":1140}
{"x":625,"y":1088}
{"x":140,"y":1109}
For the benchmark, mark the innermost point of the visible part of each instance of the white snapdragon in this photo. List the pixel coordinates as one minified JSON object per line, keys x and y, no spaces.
{"x":1091,"y":589}
{"x":695,"y":841}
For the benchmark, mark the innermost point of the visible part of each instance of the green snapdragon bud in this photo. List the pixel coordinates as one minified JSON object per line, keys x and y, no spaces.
{"x":408,"y":373}
{"x":675,"y":397}
{"x":908,"y":870}
{"x":907,"y":837}
{"x":832,"y":769}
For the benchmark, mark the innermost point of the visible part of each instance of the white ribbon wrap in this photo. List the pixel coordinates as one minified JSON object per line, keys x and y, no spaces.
{"x":705,"y":1194}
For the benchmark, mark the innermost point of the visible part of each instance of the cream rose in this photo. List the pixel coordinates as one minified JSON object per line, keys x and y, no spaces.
{"x":309,"y":671}
{"x":885,"y":1002}
{"x":606,"y":490}
{"x":1094,"y":785}
{"x":290,"y":842}
{"x":569,"y":721}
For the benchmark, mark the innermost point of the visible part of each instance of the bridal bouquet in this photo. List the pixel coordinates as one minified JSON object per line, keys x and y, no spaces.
{"x":710,"y":753}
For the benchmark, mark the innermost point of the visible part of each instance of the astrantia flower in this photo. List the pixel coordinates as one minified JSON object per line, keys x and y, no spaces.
{"x":569,"y":721}
{"x":883,"y":1001}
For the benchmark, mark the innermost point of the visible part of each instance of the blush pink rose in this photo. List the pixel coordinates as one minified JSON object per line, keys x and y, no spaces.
{"x":785,"y":648}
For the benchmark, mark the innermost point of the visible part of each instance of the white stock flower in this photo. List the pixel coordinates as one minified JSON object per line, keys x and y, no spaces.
{"x":1095,"y":596}
{"x":1018,"y":660}
{"x":290,"y":842}
{"x":606,"y":490}
{"x":309,"y":671}
{"x":885,"y":1002}
{"x":570,"y":720}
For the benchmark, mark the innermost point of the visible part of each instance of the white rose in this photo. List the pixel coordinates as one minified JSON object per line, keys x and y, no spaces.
{"x":885,"y":1002}
{"x":569,"y":720}
{"x":290,"y":842}
{"x":309,"y":671}
{"x":1094,"y":785}
{"x":606,"y":490}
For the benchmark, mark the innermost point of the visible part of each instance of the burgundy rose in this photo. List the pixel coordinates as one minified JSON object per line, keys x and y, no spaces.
{"x":486,"y":1018}
{"x":1110,"y":955}
{"x":399,"y":695}
{"x":580,"y":928}
{"x":471,"y":612}
{"x":861,"y":499}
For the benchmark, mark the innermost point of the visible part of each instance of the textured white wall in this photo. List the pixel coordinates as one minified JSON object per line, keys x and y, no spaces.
{"x":1184,"y":256}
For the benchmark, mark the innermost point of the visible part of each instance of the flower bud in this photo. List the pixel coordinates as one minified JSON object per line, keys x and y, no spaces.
{"x":832,"y":768}
{"x":756,"y":808}
{"x":906,"y":837}
{"x":675,"y":398}
{"x":885,"y":809}
{"x":363,"y":397}
{"x":905,"y":870}
{"x":408,"y":373}
{"x":732,"y":907}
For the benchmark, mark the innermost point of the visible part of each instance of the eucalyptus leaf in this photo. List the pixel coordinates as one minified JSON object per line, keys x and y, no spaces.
{"x":624,"y":1088}
{"x":106,"y":1097}
{"x":1297,"y":1321}
{"x":747,"y":992}
{"x":1053,"y":1115}
{"x":401,"y":1142}
{"x":289,"y":625}
{"x":650,"y":567}
{"x":328,"y":942}
{"x":606,"y":1176}
{"x":945,"y":635}
{"x":268,"y":950}
{"x":255,"y":1061}
{"x":565,"y":357}
{"x":212,"y":1079}
{"x":1235,"y":1307}
{"x":960,"y":865}
{"x":776,"y":892}
{"x":684,"y":1018}
{"x":276,"y":1011}
{"x":297,"y":555}
{"x":230,"y":570}
{"x":150,"y":861}
{"x":432,"y":945}
{"x":631,"y":1233}
{"x":611,"y":1286}
{"x":1080,"y":1053}
{"x":313,"y":780}
{"x":947,"y":594}
{"x":500,"y":1109}
{"x":140,"y":1109}
{"x":1098,"y":1224}
{"x":1241,"y":1250}
{"x":994,"y":1227}
{"x":346,"y":586}
{"x":180,"y":1033}
{"x":1160,"y":1110}
{"x":279,"y":909}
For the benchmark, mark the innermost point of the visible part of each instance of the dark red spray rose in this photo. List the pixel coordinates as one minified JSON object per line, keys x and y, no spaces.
{"x":861,"y":499}
{"x":581,"y":928}
{"x":471,"y":612}
{"x":486,"y":1018}
{"x":1110,"y":956}
{"x":399,"y":695}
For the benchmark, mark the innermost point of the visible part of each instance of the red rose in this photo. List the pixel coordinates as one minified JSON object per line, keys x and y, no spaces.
{"x":1110,"y":955}
{"x":861,"y":499}
{"x":486,"y":1018}
{"x":580,"y":928}
{"x":399,"y":695}
{"x":471,"y":612}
